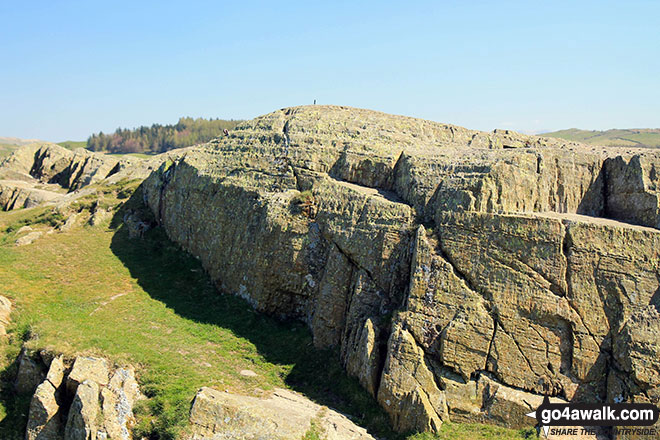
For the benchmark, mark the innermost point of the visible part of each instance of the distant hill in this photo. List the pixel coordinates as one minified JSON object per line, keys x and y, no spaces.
{"x":17,"y":141}
{"x":9,"y":144}
{"x":72,"y":145}
{"x":7,"y":149}
{"x":632,"y":137}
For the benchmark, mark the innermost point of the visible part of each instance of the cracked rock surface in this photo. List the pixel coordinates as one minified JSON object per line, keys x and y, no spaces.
{"x":463,"y":275}
{"x":285,"y":415}
{"x":82,"y":399}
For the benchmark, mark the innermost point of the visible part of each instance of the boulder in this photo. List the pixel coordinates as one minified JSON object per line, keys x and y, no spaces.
{"x":99,"y":216}
{"x":87,"y":368}
{"x":29,"y":238}
{"x":69,"y":223}
{"x":97,"y":403}
{"x":283,"y":416}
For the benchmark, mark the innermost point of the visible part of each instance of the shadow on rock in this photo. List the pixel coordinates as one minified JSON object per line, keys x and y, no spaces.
{"x":168,"y":274}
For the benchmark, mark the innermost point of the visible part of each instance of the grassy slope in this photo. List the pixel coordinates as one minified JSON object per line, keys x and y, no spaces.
{"x":72,"y":145}
{"x":92,"y":290}
{"x":625,"y":138}
{"x":7,"y":149}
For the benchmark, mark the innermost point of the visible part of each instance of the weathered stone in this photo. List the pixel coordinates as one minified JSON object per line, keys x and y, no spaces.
{"x":118,"y":399}
{"x":87,"y":368}
{"x":448,"y":318}
{"x":408,"y":390}
{"x":136,"y":226}
{"x":360,"y":349}
{"x":5,"y":312}
{"x":56,"y":371}
{"x":637,"y":353}
{"x":283,"y":416}
{"x":512,"y":284}
{"x":44,"y":418}
{"x":29,"y":238}
{"x":465,"y":401}
{"x":633,"y":189}
{"x":97,"y":408}
{"x":99,"y":216}
{"x":363,"y":358}
{"x":29,"y":375}
{"x":42,"y":173}
{"x":509,"y":292}
{"x":69,"y":223}
{"x":329,"y":315}
{"x":82,"y":423}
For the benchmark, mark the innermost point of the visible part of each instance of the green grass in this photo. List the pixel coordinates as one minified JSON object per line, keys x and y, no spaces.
{"x":145,"y":302}
{"x":475,"y":431}
{"x":72,"y":145}
{"x":642,"y":137}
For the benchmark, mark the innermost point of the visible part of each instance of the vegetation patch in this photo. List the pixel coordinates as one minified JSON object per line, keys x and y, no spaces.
{"x":635,"y":137}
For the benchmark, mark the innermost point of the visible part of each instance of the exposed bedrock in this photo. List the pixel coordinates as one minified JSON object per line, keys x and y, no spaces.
{"x":462,"y":275}
{"x":44,"y":173}
{"x":83,"y":398}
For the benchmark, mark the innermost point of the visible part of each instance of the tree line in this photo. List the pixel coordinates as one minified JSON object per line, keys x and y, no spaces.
{"x":160,"y":138}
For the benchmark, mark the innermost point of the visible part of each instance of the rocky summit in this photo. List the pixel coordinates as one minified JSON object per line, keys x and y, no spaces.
{"x":461,"y":275}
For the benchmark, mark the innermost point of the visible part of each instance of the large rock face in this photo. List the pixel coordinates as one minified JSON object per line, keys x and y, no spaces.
{"x":461,"y":274}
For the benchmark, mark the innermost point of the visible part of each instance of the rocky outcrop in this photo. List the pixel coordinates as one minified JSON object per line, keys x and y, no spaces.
{"x":44,"y":416}
{"x":45,"y":173}
{"x":82,"y":399}
{"x":283,"y":416}
{"x":633,"y":188}
{"x":28,"y":238}
{"x":19,"y":194}
{"x":463,"y":275}
{"x":69,"y":169}
{"x":29,"y":374}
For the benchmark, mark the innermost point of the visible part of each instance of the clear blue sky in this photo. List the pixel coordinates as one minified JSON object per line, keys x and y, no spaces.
{"x":71,"y":68}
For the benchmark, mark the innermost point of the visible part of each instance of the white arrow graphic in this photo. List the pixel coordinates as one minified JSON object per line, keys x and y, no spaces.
{"x":545,"y":428}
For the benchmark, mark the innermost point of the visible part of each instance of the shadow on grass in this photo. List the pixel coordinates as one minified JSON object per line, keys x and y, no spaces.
{"x":172,"y":276}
